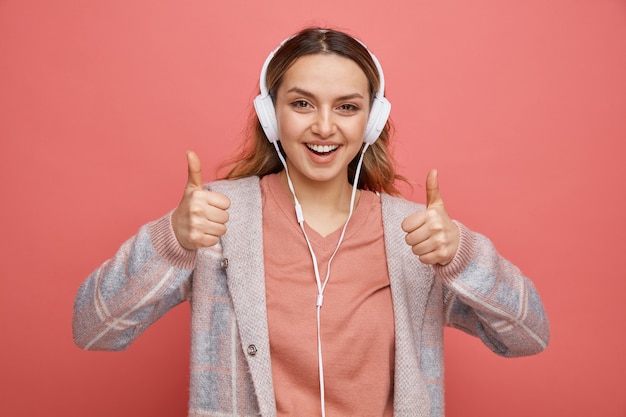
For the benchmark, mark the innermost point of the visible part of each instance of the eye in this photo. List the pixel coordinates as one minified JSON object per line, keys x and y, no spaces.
{"x":300,"y":104}
{"x":349,"y":108}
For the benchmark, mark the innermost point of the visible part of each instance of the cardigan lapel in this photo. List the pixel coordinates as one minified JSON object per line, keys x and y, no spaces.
{"x":411,"y":283}
{"x":243,"y":248}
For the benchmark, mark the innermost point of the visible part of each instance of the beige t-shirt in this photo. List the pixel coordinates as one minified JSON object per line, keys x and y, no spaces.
{"x":356,"y":318}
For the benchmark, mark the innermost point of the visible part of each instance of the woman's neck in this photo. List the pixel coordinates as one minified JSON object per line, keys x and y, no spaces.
{"x":325,"y":205}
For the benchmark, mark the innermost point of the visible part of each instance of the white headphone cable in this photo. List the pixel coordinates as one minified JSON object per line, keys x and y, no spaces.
{"x":321,"y":287}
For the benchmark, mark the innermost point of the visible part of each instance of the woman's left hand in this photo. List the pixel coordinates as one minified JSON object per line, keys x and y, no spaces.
{"x":431,"y":233}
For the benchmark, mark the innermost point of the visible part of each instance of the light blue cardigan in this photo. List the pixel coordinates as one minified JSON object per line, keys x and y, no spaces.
{"x":478,"y":292}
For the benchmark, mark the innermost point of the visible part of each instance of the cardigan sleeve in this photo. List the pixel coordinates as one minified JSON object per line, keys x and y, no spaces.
{"x":149,"y":274}
{"x":487,"y":296}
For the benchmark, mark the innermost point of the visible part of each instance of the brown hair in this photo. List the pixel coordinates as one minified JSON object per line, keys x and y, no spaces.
{"x":258,"y":156}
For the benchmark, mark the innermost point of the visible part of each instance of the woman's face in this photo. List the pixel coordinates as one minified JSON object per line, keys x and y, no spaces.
{"x":322,"y":107}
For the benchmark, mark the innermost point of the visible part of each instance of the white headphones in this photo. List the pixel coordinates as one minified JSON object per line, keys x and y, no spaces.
{"x":266,"y":113}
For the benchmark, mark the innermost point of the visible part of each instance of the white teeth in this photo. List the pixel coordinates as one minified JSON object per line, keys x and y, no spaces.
{"x":322,"y":148}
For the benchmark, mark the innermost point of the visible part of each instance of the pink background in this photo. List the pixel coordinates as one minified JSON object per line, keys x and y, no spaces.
{"x":520,"y":105}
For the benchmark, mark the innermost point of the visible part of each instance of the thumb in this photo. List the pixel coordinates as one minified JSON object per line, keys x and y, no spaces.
{"x":194,"y":170}
{"x":433,"y":198}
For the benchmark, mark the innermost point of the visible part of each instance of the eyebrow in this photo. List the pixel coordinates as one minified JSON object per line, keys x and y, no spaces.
{"x":311,"y":95}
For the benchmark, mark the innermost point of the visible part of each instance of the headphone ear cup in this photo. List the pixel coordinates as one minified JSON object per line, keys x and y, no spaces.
{"x":264,"y":108}
{"x":378,"y":116}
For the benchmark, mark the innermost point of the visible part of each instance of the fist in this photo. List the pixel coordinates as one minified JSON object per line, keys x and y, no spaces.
{"x":431,"y":233}
{"x":200,"y":218}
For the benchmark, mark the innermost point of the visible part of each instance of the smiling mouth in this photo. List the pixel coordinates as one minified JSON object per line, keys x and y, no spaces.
{"x":322,"y":149}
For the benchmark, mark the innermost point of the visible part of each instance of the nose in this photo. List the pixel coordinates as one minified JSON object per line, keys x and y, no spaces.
{"x":324,"y":123}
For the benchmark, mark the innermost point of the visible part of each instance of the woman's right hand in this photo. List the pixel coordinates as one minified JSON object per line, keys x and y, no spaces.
{"x":200,"y":218}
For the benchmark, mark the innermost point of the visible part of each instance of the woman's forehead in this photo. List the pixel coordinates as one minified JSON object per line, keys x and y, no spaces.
{"x":326,"y":71}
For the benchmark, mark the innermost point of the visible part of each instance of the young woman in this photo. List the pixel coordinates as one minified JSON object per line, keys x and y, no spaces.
{"x":315,"y":289}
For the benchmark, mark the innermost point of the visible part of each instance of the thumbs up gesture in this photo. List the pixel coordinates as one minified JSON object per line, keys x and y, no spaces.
{"x":200,"y":218}
{"x":433,"y":236}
